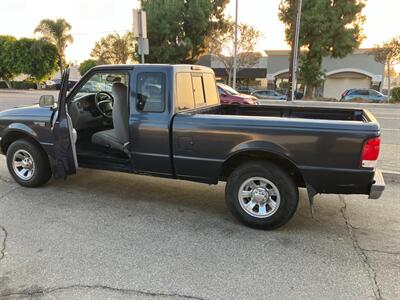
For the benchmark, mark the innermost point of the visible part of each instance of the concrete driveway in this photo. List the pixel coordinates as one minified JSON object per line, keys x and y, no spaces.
{"x":103,"y":235}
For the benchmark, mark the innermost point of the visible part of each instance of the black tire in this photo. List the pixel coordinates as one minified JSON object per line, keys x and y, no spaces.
{"x":287,"y":188}
{"x":42,"y":173}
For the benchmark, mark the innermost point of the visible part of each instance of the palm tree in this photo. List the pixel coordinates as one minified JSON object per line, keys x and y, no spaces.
{"x":57,"y":33}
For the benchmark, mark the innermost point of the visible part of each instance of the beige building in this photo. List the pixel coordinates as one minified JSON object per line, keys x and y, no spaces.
{"x":356,"y":70}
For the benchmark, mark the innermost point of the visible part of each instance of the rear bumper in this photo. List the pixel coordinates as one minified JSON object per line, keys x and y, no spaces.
{"x":378,"y":185}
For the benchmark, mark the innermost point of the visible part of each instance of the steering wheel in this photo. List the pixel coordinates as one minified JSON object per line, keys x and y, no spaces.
{"x":104,"y":103}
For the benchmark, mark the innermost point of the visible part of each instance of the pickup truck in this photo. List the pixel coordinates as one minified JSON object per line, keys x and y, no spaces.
{"x":167,"y":120}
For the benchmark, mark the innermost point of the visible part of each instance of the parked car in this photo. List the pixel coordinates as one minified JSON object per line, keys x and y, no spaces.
{"x":363,"y":95}
{"x":167,"y":121}
{"x":229,"y":95}
{"x":245,"y":90}
{"x":56,"y":84}
{"x":297,"y":94}
{"x":268,"y":94}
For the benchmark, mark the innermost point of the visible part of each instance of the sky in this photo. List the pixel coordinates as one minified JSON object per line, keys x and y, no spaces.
{"x":93,"y":19}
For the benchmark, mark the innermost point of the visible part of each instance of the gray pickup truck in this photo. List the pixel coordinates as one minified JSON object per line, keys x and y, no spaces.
{"x":167,"y":120}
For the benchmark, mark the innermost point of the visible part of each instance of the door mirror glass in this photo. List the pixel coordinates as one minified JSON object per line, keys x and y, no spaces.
{"x":46,"y":100}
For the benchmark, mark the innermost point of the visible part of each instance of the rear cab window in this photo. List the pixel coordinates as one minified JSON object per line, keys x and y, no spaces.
{"x":198,"y":90}
{"x":195,"y":89}
{"x":150,"y":92}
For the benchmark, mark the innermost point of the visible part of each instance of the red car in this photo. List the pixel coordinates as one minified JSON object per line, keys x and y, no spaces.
{"x":228,"y":95}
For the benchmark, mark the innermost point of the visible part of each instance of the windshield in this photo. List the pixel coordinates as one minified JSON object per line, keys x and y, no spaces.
{"x":228,"y":89}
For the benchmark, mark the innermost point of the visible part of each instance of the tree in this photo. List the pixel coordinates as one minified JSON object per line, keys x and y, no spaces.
{"x":43,"y":60}
{"x":388,"y":53}
{"x":114,"y":49}
{"x":57,"y":33}
{"x":395,"y":93}
{"x":328,"y":28}
{"x":86,"y":65}
{"x":37,"y":58}
{"x":177,"y":29}
{"x":7,"y":67}
{"x":221,"y":45}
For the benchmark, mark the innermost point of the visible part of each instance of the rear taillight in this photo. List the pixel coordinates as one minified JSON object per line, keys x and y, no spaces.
{"x":370,"y":152}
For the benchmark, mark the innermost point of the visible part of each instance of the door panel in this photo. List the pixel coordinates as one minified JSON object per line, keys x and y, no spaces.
{"x":65,"y":162}
{"x":149,"y":122}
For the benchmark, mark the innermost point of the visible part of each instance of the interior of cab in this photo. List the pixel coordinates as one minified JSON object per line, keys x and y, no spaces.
{"x":99,"y":113}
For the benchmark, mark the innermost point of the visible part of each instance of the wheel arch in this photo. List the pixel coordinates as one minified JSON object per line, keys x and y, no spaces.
{"x":15,"y":132}
{"x":247,"y":155}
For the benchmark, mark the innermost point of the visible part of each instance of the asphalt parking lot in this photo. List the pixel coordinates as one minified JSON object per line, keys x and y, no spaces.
{"x":104,"y":235}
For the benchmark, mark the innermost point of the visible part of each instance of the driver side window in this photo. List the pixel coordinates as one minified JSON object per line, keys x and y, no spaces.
{"x":101,"y":82}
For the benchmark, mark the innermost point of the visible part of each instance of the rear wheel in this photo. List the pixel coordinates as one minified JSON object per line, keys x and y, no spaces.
{"x":28,"y":164}
{"x":261,"y":195}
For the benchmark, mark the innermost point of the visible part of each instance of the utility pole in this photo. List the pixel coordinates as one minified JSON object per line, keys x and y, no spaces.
{"x":235,"y":46}
{"x":294,"y":54}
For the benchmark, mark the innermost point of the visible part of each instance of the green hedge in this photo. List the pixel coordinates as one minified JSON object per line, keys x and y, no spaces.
{"x":395,"y":93}
{"x":19,"y":85}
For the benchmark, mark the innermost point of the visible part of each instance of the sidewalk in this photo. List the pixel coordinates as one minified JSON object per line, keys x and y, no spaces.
{"x":389,"y":162}
{"x":30,"y":91}
{"x":329,"y":103}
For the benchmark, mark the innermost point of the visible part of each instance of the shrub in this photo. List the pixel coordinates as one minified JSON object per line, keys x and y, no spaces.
{"x":19,"y":85}
{"x":395,"y":93}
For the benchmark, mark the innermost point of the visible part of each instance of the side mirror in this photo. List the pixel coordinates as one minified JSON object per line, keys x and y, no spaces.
{"x":223,"y":95}
{"x":46,"y":100}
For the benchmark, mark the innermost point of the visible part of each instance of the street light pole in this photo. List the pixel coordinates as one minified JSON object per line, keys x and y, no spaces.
{"x":235,"y":46}
{"x":141,"y":46}
{"x":295,"y":50}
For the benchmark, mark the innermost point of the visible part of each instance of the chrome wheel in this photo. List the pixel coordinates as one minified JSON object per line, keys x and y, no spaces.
{"x":259,"y":197}
{"x":23,"y":164}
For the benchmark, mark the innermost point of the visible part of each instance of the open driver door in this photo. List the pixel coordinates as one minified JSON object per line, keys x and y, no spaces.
{"x":64,"y":135}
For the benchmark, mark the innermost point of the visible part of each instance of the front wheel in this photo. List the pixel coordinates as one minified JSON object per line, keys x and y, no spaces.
{"x":28,"y":164}
{"x":261,"y":195}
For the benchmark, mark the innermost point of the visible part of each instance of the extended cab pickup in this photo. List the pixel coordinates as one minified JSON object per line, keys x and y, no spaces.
{"x":166,"y":120}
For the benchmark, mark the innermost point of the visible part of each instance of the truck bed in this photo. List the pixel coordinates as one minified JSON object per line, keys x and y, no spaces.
{"x":320,"y":113}
{"x":324,"y":143}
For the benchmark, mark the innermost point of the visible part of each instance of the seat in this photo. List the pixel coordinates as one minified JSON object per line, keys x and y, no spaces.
{"x":107,"y":138}
{"x":117,"y":137}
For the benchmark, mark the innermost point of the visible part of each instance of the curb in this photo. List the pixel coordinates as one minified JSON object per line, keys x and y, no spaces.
{"x":391,"y":176}
{"x":16,"y":91}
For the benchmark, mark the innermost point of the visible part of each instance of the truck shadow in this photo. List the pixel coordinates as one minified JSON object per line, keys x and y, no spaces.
{"x":193,"y":201}
{"x":198,"y":205}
